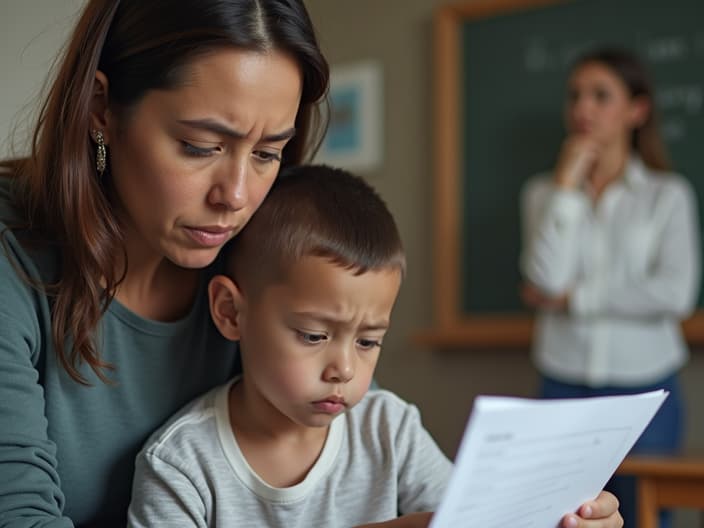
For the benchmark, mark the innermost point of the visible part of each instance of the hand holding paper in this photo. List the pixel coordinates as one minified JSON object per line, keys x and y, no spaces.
{"x":533,"y":461}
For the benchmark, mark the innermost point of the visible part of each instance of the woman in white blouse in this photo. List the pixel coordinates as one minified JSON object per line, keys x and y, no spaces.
{"x":611,"y":253}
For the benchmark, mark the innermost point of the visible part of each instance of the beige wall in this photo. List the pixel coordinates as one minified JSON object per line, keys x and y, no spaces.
{"x":31,"y":32}
{"x":399,"y":34}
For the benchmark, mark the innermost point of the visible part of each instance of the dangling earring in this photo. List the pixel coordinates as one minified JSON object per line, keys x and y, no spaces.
{"x":101,"y":155}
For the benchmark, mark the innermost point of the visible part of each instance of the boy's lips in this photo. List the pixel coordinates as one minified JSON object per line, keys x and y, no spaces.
{"x":330,"y":405}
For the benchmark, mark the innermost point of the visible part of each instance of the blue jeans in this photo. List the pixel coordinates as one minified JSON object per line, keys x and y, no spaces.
{"x":664,"y":434}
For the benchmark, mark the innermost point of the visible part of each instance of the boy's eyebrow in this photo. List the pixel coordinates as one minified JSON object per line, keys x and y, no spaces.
{"x":383,"y":324}
{"x":213,"y":126}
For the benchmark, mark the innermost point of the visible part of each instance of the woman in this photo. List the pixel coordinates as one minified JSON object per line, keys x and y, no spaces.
{"x":611,"y":252}
{"x":164,"y":129}
{"x":161,"y":134}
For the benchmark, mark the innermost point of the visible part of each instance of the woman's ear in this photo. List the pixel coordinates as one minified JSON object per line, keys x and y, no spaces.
{"x":226,"y":304}
{"x":640,"y":111}
{"x":99,"y":111}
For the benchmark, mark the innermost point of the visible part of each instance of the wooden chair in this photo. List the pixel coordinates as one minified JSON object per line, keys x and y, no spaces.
{"x":665,"y":481}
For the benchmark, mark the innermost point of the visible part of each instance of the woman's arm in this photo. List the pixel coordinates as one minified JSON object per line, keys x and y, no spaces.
{"x":30,"y":493}
{"x":669,"y":286}
{"x":552,"y":219}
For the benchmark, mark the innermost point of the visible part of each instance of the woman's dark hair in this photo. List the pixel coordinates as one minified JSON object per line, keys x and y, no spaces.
{"x":140,"y":45}
{"x":646,"y":139}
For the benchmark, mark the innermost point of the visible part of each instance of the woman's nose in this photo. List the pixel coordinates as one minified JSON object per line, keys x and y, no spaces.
{"x":581,"y":107}
{"x":230,"y":189}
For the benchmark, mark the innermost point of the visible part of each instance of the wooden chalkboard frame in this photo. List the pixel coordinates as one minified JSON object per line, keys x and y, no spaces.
{"x":454,"y":328}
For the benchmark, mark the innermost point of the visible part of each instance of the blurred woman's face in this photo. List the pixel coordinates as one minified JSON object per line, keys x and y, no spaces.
{"x":191,"y":165}
{"x":599,"y":104}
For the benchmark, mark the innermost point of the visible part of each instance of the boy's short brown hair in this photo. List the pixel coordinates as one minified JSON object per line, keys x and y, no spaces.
{"x":316,"y":210}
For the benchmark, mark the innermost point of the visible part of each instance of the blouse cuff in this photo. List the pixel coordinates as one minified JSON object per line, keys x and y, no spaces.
{"x":567,"y":206}
{"x":586,"y":298}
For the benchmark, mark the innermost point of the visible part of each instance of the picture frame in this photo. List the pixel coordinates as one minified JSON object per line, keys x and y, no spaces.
{"x":354,"y":139}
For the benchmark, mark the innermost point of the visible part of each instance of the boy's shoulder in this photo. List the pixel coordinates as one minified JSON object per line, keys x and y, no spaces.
{"x":381,"y":408}
{"x":189,"y":427}
{"x":382,"y":398}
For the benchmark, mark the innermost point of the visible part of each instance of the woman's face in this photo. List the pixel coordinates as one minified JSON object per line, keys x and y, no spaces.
{"x":599,"y":105}
{"x":191,"y":165}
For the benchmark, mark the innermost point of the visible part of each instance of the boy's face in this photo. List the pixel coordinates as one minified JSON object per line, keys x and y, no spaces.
{"x":310,"y":342}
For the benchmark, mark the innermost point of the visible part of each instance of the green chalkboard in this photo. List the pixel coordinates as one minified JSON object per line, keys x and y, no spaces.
{"x":513,"y":71}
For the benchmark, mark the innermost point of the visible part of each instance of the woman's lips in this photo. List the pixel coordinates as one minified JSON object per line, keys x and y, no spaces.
{"x":210,"y":236}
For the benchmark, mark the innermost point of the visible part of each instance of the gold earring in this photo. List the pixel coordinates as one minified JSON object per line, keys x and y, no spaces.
{"x":101,"y":154}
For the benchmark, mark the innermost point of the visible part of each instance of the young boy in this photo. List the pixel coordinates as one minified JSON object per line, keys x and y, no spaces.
{"x":298,"y":440}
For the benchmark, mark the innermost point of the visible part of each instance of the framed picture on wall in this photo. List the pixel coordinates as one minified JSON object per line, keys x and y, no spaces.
{"x":354,"y":139}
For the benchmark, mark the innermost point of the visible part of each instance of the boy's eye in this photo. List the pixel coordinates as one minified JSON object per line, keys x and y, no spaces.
{"x":310,"y":338}
{"x":368,"y":344}
{"x":192,"y":150}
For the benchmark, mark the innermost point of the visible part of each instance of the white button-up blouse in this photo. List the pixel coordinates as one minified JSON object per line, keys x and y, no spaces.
{"x":630,"y":263}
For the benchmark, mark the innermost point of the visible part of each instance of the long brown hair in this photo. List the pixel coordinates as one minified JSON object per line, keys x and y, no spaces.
{"x":646,"y":140}
{"x":140,"y":46}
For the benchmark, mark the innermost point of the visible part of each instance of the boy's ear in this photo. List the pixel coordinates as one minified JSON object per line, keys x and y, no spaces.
{"x":226,"y":302}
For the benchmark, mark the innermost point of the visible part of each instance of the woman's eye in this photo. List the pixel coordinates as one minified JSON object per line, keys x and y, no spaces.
{"x":192,"y":150}
{"x":368,"y":344}
{"x":311,"y":339}
{"x":602,"y":95}
{"x":263,"y":155}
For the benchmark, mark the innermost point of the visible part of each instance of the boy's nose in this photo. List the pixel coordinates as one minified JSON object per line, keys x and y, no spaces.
{"x":340,"y":369}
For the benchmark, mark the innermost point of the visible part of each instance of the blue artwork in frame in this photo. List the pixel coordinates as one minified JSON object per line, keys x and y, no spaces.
{"x":354,"y":137}
{"x":344,"y":133}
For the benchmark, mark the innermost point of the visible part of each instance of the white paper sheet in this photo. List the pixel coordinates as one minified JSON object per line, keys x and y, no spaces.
{"x":527,"y":463}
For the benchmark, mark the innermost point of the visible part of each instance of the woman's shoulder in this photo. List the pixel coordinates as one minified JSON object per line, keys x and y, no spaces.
{"x":20,"y":251}
{"x":9,"y":213}
{"x":537,"y":190}
{"x":25,"y":308}
{"x":537,"y":182}
{"x":668,"y":182}
{"x":664,"y":190}
{"x":539,"y":178}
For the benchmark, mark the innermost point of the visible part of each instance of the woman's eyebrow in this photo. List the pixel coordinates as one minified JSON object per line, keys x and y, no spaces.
{"x":213,"y":126}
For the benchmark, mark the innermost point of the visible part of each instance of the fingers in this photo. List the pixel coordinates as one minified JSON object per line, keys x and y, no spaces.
{"x":531,"y":296}
{"x":576,"y":160}
{"x":604,"y":505}
{"x":600,"y":513}
{"x":612,"y":521}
